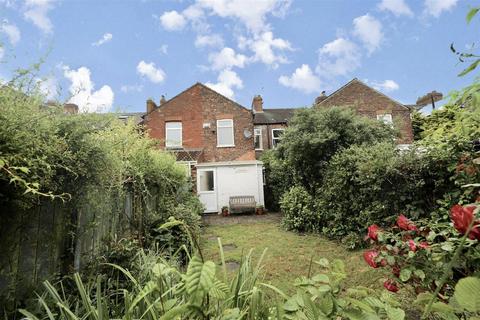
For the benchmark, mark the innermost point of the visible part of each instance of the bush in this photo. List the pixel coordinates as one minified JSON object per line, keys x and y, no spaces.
{"x":299,"y":212}
{"x":370,"y":184}
{"x":313,"y":137}
{"x":420,"y":253}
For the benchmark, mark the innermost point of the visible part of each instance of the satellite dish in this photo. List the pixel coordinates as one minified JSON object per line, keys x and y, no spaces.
{"x":247,"y":133}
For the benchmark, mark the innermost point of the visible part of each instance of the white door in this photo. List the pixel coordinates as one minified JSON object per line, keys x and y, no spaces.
{"x":207,"y":189}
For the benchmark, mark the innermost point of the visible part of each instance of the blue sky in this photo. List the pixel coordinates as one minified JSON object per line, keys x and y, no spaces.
{"x":113,"y":55}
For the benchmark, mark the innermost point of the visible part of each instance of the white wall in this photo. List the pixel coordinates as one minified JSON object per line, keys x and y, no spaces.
{"x":238,"y":180}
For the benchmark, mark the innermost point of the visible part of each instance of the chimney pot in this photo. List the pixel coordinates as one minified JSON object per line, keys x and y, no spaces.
{"x":257,"y":104}
{"x":151,"y":106}
{"x":320,"y":98}
{"x":162,"y":100}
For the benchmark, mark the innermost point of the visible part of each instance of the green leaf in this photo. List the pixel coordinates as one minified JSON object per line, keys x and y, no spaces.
{"x":467,"y":294}
{"x":419,"y":273}
{"x":291,"y":305}
{"x":200,"y":276}
{"x":326,"y":304}
{"x":394,"y":313}
{"x":321,"y":278}
{"x":469,"y":68}
{"x":405,"y":275}
{"x":472,"y":14}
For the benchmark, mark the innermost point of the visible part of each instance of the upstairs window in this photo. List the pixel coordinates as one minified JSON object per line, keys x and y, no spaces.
{"x":225,"y":133}
{"x":385,"y":118}
{"x":173,"y":134}
{"x":258,"y":138}
{"x":277,"y":135}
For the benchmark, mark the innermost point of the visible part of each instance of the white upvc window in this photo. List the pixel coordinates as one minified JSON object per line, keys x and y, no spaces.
{"x":385,"y":118}
{"x":225,"y":136}
{"x":258,"y":139}
{"x":277,"y":135}
{"x":173,"y":134}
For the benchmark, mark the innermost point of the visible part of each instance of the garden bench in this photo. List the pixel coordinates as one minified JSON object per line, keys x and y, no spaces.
{"x":242,"y":203}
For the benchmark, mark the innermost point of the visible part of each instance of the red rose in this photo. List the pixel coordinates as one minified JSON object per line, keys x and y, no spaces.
{"x":405,"y":224}
{"x":390,"y":285}
{"x":370,"y":257}
{"x":424,"y":245}
{"x":396,"y":271}
{"x":412,"y":246}
{"x":461,"y":217}
{"x":373,"y":232}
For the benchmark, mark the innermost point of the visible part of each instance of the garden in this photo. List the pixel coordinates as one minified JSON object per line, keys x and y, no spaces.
{"x":98,"y":223}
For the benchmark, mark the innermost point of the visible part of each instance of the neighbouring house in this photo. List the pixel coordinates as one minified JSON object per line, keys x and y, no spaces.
{"x":269,"y":125}
{"x":213,"y":137}
{"x":371,"y":103}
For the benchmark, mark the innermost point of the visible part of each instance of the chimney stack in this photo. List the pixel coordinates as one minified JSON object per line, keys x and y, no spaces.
{"x":257,"y":104}
{"x":151,"y":106}
{"x":320,"y":98}
{"x":162,"y":100}
{"x":70,"y":108}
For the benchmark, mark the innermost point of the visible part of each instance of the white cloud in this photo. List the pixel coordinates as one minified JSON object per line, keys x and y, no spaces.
{"x":227,"y":80}
{"x":369,"y":31}
{"x":436,"y":7}
{"x":2,"y":53}
{"x":251,"y":13}
{"x":397,"y":7}
{"x":172,"y":20}
{"x":149,"y":70}
{"x":209,"y":40}
{"x":105,"y":38}
{"x":48,"y":87}
{"x":302,"y":79}
{"x":83,"y":93}
{"x":163,"y":49}
{"x":226,"y":59}
{"x":126,"y":88}
{"x":338,"y":58}
{"x":386,"y":86}
{"x":11,"y":31}
{"x":36,"y":11}
{"x":266,"y":48}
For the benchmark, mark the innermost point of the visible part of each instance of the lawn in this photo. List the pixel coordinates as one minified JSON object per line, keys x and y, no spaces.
{"x":288,"y":254}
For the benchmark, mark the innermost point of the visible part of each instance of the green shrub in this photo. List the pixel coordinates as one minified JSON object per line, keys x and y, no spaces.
{"x":373,"y":184}
{"x":314,"y":136}
{"x":298,"y":209}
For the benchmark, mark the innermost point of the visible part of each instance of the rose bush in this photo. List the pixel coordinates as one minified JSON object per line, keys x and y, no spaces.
{"x":417,"y":253}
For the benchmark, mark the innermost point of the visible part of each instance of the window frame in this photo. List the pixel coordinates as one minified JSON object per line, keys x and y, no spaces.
{"x":381,"y":117}
{"x":167,"y":145}
{"x":258,"y":132}
{"x":214,"y":181}
{"x":274,"y":140}
{"x":224,"y":126}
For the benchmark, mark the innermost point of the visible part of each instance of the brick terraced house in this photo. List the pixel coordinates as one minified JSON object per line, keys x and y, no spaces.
{"x":220,"y":141}
{"x":213,"y":136}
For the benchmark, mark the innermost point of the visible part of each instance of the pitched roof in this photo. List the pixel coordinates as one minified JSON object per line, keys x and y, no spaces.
{"x":272,"y":116}
{"x":205,"y":87}
{"x":137,"y":116}
{"x":364,"y":84}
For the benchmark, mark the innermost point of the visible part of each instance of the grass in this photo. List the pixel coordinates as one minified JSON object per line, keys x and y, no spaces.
{"x":288,"y":254}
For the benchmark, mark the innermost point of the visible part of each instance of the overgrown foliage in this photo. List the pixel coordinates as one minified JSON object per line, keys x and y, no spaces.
{"x":313,"y":137}
{"x":100,"y":179}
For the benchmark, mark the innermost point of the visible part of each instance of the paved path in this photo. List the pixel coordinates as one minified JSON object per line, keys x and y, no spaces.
{"x":215,"y":219}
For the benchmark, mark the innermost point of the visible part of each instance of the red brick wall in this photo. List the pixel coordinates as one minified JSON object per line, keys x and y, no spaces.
{"x":368,"y":102}
{"x":196,"y":106}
